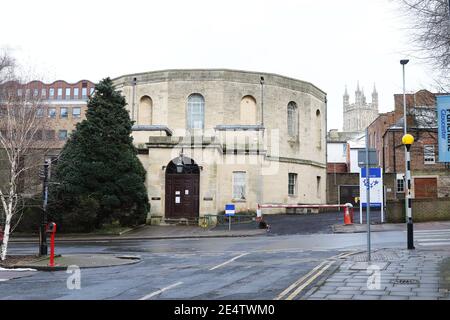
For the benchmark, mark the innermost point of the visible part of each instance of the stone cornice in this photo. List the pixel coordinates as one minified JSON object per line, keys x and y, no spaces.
{"x":251,"y":77}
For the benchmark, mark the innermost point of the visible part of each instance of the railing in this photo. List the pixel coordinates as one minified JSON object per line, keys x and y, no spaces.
{"x":209,"y":220}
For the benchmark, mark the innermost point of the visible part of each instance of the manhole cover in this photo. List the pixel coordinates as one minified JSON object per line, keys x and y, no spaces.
{"x":405,"y":281}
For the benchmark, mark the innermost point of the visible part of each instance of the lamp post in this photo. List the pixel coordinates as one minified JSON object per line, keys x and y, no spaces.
{"x":42,"y":231}
{"x":408,"y":140}
{"x":259,"y":196}
{"x":180,"y":164}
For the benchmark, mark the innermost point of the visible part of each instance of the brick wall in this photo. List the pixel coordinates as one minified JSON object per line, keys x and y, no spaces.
{"x":334,"y":180}
{"x":337,"y":167}
{"x":422,"y":210}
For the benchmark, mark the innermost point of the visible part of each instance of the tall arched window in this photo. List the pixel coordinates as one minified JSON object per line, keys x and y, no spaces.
{"x":248,"y":111}
{"x":319,"y":129}
{"x":145,"y":111}
{"x":292,"y":119}
{"x":196,"y":111}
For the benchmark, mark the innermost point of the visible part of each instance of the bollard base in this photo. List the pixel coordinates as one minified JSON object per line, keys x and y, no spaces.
{"x":410,"y":233}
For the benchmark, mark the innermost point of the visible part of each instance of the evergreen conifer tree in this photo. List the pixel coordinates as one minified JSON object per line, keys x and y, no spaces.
{"x":99,"y":178}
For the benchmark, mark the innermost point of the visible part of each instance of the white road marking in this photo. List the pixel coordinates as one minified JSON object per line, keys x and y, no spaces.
{"x":433,"y":231}
{"x":150,"y":295}
{"x":439,"y":237}
{"x":227,"y":262}
{"x":3,"y":280}
{"x":432,"y":239}
{"x":435,"y":243}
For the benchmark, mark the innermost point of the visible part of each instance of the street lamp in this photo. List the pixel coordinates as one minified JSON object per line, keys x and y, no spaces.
{"x":408,"y":140}
{"x":180,"y":164}
{"x":42,"y":232}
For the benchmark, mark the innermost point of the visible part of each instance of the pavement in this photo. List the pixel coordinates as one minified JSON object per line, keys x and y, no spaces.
{"x":149,"y":232}
{"x":392,"y":274}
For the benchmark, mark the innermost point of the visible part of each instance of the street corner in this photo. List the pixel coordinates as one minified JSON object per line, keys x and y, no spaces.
{"x":347,"y":228}
{"x":62,"y":262}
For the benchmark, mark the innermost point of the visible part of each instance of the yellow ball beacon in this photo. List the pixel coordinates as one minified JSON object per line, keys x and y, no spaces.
{"x":408,"y":139}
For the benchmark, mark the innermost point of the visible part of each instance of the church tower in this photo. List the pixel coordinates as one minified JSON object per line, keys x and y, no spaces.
{"x":358,"y":115}
{"x":375,"y":98}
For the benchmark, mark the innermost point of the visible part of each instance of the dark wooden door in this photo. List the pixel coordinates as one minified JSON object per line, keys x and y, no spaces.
{"x":182,"y":195}
{"x":425,"y":188}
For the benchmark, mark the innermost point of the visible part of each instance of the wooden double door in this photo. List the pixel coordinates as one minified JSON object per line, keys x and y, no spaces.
{"x":182,"y":195}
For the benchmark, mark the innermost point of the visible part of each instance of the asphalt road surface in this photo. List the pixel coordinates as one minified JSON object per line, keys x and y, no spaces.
{"x":265,"y":267}
{"x":293,"y":224}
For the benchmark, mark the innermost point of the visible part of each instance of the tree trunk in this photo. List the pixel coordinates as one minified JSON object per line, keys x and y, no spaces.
{"x":5,"y":237}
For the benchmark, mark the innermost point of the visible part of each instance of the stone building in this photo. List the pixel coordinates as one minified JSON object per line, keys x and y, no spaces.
{"x":213,"y":137}
{"x":358,"y":115}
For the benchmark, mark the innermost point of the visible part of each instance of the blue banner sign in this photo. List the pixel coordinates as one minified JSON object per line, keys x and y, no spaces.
{"x":443,"y":109}
{"x":375,"y":184}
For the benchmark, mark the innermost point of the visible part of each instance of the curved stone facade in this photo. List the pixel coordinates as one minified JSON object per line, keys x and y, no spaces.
{"x":236,"y":126}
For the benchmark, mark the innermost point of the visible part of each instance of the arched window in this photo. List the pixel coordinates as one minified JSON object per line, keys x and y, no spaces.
{"x":195,"y":111}
{"x":319,"y":129}
{"x":292,"y":119}
{"x":248,"y":110}
{"x":145,"y":111}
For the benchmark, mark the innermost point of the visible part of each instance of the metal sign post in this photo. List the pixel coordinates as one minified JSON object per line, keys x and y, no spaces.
{"x":230,"y":211}
{"x":368,"y":194}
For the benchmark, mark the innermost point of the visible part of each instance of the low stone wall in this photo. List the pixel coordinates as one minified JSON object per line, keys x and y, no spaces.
{"x":422,"y":210}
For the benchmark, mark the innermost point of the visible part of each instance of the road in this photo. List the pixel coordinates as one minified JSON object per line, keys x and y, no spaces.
{"x":262,"y":267}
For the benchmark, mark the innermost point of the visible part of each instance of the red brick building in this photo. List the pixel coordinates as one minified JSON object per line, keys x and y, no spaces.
{"x":430,"y":178}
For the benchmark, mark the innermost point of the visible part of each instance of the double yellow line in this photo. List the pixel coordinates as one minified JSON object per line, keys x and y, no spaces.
{"x":294,"y":289}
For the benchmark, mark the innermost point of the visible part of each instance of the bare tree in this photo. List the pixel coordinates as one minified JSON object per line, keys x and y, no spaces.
{"x":430,"y":23}
{"x":7,"y":66}
{"x":22,"y":145}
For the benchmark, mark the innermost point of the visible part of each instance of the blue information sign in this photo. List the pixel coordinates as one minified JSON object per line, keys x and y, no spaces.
{"x":230,"y":210}
{"x":443,"y":109}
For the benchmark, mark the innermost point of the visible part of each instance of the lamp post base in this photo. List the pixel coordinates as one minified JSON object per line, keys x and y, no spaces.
{"x":410,"y":233}
{"x":43,"y":249}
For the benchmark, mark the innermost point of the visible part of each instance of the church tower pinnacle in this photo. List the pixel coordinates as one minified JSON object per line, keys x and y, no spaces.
{"x":346,"y":98}
{"x":375,"y":97}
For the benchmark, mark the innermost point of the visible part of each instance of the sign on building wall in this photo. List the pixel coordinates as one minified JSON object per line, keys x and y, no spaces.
{"x":443,"y":109}
{"x":376,"y":187}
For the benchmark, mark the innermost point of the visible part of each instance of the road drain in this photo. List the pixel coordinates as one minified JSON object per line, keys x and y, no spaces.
{"x":405,"y":281}
{"x":129,"y":257}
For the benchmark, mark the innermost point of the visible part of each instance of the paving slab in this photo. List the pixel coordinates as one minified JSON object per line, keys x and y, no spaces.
{"x":400,"y":276}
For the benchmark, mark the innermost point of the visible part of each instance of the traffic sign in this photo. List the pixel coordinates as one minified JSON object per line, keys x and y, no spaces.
{"x":230,"y":210}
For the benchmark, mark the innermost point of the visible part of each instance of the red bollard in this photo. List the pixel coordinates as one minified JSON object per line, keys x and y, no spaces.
{"x":347,"y":216}
{"x":51,"y":228}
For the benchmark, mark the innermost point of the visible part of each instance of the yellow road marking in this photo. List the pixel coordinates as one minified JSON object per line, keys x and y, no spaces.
{"x":299,"y":281}
{"x":305,"y":280}
{"x":304,"y":285}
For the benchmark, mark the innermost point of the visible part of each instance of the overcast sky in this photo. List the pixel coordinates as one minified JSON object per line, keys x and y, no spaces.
{"x":329,"y":43}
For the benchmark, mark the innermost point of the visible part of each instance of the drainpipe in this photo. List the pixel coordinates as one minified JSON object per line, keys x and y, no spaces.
{"x":133,"y":99}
